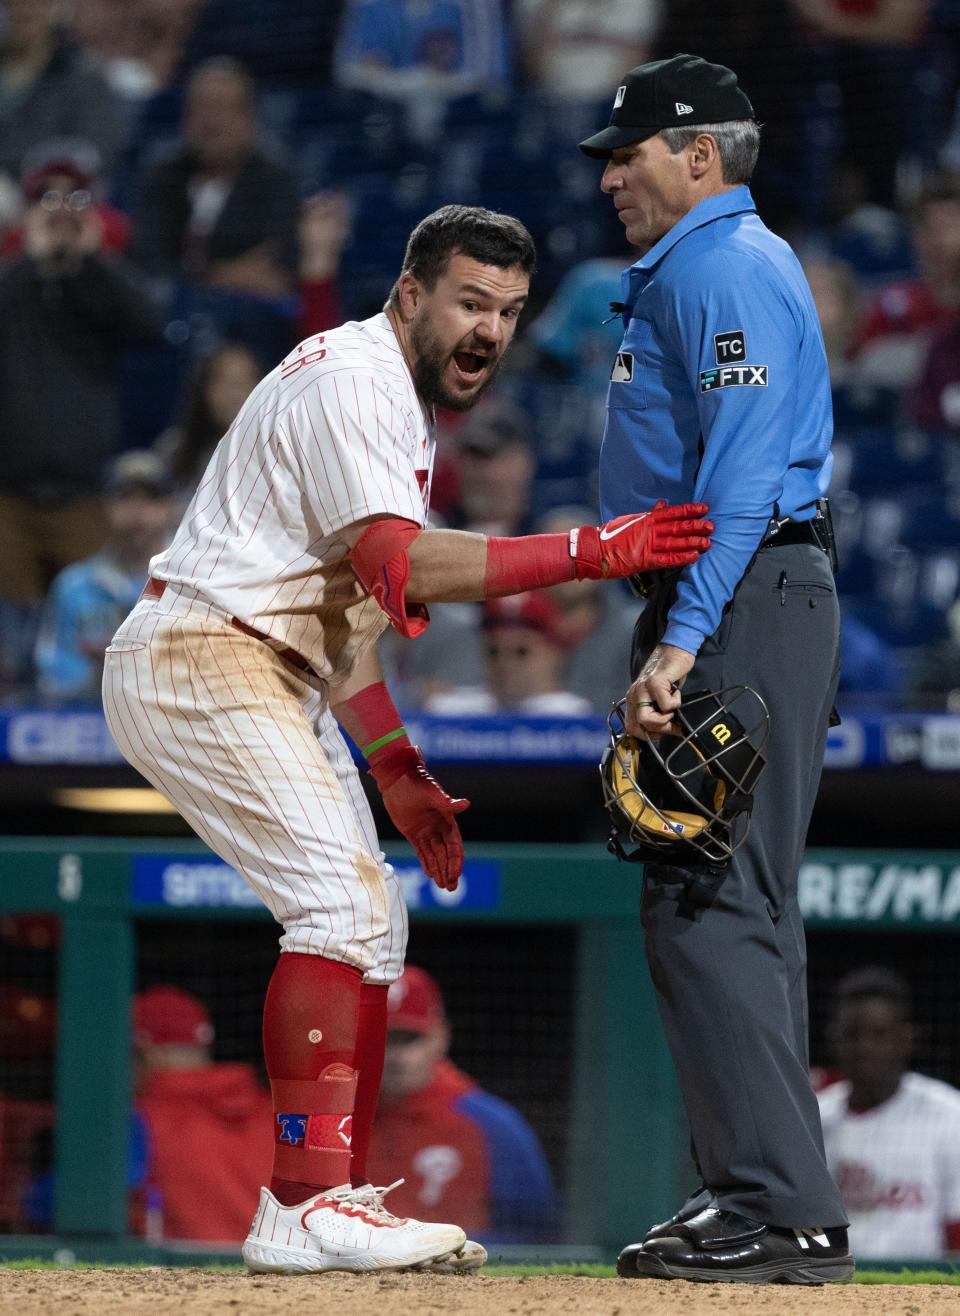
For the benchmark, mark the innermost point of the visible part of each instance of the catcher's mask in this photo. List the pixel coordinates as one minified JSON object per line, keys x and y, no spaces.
{"x":678,"y":799}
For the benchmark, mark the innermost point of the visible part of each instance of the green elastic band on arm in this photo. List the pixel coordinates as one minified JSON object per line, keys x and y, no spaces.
{"x":374,"y":745}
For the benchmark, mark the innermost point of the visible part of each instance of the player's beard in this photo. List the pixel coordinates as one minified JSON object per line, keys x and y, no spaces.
{"x":432,"y":359}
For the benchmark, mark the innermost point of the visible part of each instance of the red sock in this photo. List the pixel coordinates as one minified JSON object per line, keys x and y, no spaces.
{"x":371,"y":1044}
{"x":309,"y":1038}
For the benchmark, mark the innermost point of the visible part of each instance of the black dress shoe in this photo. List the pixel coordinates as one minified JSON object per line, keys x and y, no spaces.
{"x":695,"y":1203}
{"x":723,"y":1247}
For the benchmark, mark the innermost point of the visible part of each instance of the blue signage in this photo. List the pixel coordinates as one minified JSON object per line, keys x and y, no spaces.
{"x":193,"y":882}
{"x":62,"y":737}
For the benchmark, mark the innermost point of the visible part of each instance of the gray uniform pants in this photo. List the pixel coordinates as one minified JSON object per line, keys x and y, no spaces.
{"x":731,"y":979}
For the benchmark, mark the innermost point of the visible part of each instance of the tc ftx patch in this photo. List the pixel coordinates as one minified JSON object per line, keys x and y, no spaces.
{"x":733,"y":377}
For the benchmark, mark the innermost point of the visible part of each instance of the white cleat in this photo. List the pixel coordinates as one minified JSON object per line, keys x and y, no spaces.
{"x":343,"y":1229}
{"x":470,"y":1257}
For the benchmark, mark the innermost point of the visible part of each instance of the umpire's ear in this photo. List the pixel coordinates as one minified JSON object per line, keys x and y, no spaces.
{"x":703,"y":154}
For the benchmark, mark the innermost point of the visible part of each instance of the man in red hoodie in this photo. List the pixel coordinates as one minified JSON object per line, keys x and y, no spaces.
{"x":459,"y":1149}
{"x":207,"y":1123}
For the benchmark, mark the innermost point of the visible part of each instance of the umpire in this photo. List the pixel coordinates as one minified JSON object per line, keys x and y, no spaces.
{"x":720,"y":394}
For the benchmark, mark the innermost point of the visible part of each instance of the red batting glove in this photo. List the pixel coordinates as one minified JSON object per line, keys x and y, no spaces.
{"x":665,"y":537}
{"x":423,"y":812}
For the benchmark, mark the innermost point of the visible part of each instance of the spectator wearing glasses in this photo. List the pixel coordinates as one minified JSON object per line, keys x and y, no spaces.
{"x":66,"y":171}
{"x":460,"y":1150}
{"x":68,"y":309}
{"x":526,"y":650}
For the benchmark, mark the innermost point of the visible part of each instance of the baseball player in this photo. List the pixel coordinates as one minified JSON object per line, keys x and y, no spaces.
{"x":257,"y":634}
{"x":892,"y":1136}
{"x":720,"y":392}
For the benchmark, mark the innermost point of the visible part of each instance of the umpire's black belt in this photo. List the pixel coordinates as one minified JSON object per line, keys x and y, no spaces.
{"x":791,"y":532}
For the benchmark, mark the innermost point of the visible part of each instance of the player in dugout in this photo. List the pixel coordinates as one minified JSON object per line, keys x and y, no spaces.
{"x":257,"y":634}
{"x":892,"y":1136}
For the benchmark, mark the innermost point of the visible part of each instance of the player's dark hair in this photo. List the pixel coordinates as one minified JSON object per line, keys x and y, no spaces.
{"x":874,"y":982}
{"x":483,"y":235}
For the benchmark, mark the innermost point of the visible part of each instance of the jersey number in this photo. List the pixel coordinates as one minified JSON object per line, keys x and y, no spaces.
{"x":306,"y":359}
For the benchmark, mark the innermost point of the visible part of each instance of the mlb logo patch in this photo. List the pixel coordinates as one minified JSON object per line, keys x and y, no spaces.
{"x":622,"y":372}
{"x":292,"y":1129}
{"x":618,"y":99}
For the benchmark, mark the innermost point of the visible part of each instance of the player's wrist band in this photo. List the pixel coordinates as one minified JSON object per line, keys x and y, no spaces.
{"x":395,"y":734}
{"x":371,"y":719}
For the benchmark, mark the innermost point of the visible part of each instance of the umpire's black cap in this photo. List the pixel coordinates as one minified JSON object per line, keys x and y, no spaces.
{"x":669,"y":93}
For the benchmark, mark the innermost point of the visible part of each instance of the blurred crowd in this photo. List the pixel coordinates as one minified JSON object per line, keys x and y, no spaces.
{"x":189,"y":187}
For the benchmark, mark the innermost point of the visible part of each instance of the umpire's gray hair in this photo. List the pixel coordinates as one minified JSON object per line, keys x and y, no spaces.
{"x":738,"y":143}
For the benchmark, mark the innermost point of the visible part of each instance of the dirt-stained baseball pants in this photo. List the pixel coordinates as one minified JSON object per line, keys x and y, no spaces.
{"x":251,"y":757}
{"x":731,"y":979}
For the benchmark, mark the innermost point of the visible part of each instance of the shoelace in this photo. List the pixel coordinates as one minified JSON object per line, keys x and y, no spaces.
{"x":371,"y":1199}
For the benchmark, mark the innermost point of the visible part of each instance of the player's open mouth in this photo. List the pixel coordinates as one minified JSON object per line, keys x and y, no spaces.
{"x":470,"y":365}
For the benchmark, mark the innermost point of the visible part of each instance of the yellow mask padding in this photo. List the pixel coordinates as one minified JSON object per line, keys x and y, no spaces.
{"x":660,"y":822}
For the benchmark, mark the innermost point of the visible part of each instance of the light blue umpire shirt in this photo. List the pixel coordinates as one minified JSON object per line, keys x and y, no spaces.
{"x":719,"y":394}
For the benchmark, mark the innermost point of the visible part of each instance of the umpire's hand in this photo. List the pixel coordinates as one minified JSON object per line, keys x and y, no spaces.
{"x":656,"y":692}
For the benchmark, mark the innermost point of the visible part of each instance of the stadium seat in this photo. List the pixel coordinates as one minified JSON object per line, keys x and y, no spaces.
{"x":902,"y":626}
{"x":856,"y":405}
{"x":341,"y":136}
{"x":939,"y":578}
{"x":885,"y":460}
{"x":931,"y":523}
{"x":882,"y":519}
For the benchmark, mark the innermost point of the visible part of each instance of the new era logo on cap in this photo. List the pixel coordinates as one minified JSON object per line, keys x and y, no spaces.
{"x":683,"y":109}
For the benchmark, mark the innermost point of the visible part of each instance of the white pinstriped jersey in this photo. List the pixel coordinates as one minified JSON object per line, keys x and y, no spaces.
{"x":897,"y":1166}
{"x":334,"y":434}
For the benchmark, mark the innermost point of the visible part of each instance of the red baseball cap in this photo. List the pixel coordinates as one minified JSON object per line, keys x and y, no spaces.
{"x":535,"y":610}
{"x":28,"y":1022}
{"x":75,"y":157}
{"x":167,"y":1015}
{"x":414,"y":1003}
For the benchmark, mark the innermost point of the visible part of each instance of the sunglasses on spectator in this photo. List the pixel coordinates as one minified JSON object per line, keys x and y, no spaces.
{"x":57,"y":200}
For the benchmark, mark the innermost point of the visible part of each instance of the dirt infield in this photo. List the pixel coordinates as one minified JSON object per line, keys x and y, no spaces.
{"x":199,"y":1293}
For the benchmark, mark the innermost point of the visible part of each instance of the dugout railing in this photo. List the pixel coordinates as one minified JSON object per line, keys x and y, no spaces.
{"x":627,"y":1162}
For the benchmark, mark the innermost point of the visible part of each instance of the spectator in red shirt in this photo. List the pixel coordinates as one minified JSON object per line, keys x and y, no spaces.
{"x":324,"y":230}
{"x":459,"y":1149}
{"x":208,"y":1124}
{"x":890,"y":346}
{"x":68,"y":167}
